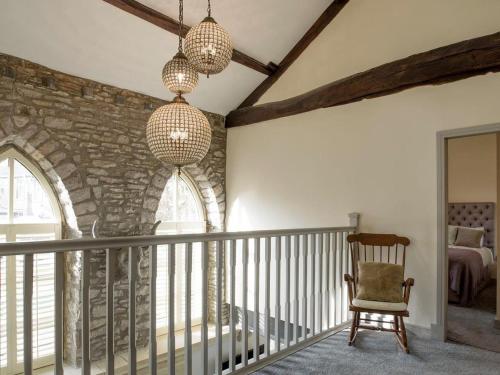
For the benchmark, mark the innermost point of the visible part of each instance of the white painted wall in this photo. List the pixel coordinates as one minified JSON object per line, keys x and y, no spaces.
{"x":472,"y":169}
{"x":378,"y":156}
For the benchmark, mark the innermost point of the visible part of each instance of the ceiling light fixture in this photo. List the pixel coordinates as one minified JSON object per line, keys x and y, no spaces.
{"x":178,"y":133}
{"x":178,"y":75}
{"x":208,"y":46}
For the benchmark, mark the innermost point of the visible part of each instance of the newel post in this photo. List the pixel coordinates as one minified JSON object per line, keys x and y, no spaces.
{"x":354,"y":220}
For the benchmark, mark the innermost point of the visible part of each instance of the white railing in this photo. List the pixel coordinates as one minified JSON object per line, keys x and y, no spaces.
{"x":298,"y":296}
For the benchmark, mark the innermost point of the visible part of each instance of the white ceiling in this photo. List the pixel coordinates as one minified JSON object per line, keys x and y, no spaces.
{"x":95,"y":40}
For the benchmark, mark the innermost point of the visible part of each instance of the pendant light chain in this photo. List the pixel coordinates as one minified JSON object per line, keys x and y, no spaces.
{"x":209,"y":9}
{"x":181,"y":22}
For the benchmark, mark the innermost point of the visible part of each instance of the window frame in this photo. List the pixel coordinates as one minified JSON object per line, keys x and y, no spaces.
{"x":170,"y":227}
{"x":11,"y":230}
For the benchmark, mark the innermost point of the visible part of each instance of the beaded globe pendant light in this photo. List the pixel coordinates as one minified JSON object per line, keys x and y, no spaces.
{"x":178,"y":75}
{"x":208,"y":46}
{"x":178,"y":133}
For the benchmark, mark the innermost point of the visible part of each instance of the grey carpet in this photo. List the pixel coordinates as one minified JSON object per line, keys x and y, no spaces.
{"x":474,"y":325}
{"x":378,"y":353}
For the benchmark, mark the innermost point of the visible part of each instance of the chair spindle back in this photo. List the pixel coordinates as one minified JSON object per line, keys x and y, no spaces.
{"x":372,"y":247}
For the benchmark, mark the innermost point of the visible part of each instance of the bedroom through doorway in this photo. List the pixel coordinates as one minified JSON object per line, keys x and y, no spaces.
{"x":472,"y":240}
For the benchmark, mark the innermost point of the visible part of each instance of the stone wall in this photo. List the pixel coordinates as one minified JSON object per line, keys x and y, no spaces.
{"x":89,"y":140}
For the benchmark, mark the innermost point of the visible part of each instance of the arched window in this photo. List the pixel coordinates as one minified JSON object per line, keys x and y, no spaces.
{"x":180,"y":211}
{"x":28,"y":212}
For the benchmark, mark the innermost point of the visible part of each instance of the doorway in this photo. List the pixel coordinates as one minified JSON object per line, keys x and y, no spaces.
{"x":468,"y":181}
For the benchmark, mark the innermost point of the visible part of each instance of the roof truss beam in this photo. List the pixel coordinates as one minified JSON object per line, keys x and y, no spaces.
{"x":441,"y":65}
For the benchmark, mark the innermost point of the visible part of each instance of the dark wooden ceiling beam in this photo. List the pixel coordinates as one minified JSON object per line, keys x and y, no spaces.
{"x":167,"y":23}
{"x":441,"y":65}
{"x":326,"y":17}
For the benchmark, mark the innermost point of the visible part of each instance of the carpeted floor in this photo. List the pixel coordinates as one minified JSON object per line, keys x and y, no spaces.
{"x":377,"y":353}
{"x":474,"y":325}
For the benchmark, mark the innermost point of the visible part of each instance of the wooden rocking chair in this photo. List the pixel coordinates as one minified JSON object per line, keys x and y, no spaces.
{"x":382,"y":248}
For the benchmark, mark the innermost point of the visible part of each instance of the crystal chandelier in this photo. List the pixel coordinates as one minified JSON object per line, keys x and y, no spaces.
{"x":208,"y":46}
{"x":178,"y":75}
{"x":178,"y":133}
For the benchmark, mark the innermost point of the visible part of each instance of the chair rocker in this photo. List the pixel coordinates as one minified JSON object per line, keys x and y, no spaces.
{"x":382,"y":248}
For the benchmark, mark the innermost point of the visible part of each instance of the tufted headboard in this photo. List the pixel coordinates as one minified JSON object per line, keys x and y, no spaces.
{"x":475,"y":215}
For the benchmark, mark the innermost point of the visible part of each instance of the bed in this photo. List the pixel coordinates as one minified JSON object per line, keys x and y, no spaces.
{"x":468,"y":267}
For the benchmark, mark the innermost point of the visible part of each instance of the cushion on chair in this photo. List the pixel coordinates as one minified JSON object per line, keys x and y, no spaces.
{"x":382,"y":282}
{"x":376,"y":305}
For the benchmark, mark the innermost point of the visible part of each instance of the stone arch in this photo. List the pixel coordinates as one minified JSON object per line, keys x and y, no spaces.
{"x":53,"y":175}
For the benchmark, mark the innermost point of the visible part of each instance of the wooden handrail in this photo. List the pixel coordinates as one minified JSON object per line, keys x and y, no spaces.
{"x":39,"y":247}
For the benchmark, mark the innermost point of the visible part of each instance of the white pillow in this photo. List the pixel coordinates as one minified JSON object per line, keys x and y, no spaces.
{"x":452,"y":234}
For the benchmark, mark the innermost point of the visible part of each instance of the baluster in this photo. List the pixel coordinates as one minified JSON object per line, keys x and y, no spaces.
{"x":334,"y":278}
{"x":296,"y":289}
{"x":287,"y":291}
{"x":171,"y":308}
{"x":344,"y":270}
{"x":85,"y":313}
{"x":267,"y":307}
{"x":312,"y":295}
{"x":110,"y":321}
{"x":327,"y":280}
{"x":320,"y":282}
{"x":244,"y":338}
{"x":132,"y":279}
{"x":232,"y":311}
{"x":204,"y":307}
{"x":277,"y":307}
{"x":219,"y":265}
{"x":256,"y":343}
{"x":188,"y":355}
{"x":58,"y":316}
{"x":341,"y":274}
{"x":349,"y":271}
{"x":28,"y":311}
{"x":305,"y":241}
{"x":152,"y":308}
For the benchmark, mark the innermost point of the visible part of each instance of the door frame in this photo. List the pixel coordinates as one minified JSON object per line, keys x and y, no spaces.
{"x":439,"y":330}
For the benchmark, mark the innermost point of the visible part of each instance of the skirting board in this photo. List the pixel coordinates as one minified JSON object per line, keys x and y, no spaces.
{"x":421,"y":332}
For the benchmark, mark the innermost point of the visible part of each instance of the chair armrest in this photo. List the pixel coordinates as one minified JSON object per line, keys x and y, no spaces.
{"x":407,"y":288}
{"x":351,"y":288}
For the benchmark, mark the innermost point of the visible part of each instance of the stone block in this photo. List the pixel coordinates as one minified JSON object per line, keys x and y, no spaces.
{"x":49,"y":82}
{"x":58,"y":123}
{"x":21,"y":121}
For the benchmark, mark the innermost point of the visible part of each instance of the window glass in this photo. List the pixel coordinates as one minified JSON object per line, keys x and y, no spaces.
{"x":31,"y":202}
{"x":179,"y":211}
{"x":4,"y":192}
{"x":3,"y":309}
{"x":178,"y":202}
{"x":27,"y":214}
